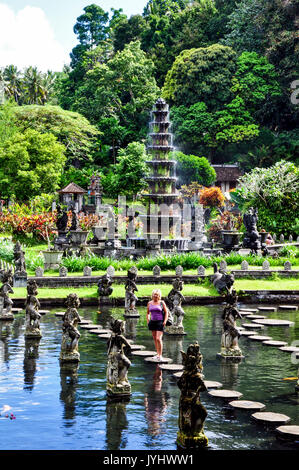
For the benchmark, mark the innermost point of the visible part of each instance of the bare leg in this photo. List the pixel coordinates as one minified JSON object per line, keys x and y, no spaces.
{"x":155,"y":339}
{"x":159,"y":337}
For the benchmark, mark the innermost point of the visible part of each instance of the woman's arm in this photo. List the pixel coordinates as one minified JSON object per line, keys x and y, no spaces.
{"x":148,"y":313}
{"x":166,"y":312}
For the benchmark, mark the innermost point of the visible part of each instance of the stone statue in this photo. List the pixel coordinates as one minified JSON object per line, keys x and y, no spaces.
{"x":5,"y":302}
{"x":131,"y":288}
{"x":230,"y":334}
{"x":192,"y":413}
{"x":75,"y":220}
{"x":32,"y":314}
{"x":70,"y":334}
{"x":251,"y":236}
{"x":104,"y":286}
{"x":19,"y":259}
{"x":62,"y":220}
{"x":176,"y":314}
{"x":221,"y":280}
{"x":118,"y":363}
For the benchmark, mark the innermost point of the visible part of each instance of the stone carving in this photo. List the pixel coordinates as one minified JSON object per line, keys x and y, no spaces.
{"x":87,"y":271}
{"x":244,"y":265}
{"x":104,"y":286}
{"x":39,"y":272}
{"x":110,"y":271}
{"x":179,"y":271}
{"x":19,"y":259}
{"x":118,"y":363}
{"x":32,"y":314}
{"x":281,"y":238}
{"x":230,"y":333}
{"x":266,"y":265}
{"x":130,"y":297}
{"x":251,"y":236}
{"x":156,"y":271}
{"x":176,"y":314}
{"x":5,"y":302}
{"x":222,"y":265}
{"x":287,"y":266}
{"x":70,"y":334}
{"x":75,"y":220}
{"x":62,"y":220}
{"x":291,"y":239}
{"x":192,"y":413}
{"x":201,"y":271}
{"x":222,"y":281}
{"x":63,"y":271}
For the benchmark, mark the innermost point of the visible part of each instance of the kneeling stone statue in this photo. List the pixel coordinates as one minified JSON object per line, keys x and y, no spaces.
{"x":118,"y":363}
{"x":70,"y":334}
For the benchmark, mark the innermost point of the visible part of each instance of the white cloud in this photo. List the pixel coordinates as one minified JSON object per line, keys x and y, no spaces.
{"x":27,"y":38}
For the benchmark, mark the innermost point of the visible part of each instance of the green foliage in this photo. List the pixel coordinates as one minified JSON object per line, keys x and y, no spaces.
{"x":127,"y":175}
{"x":191,"y":168}
{"x":71,"y":129}
{"x":78,"y":176}
{"x":30,"y":163}
{"x":274,"y":191}
{"x":202,"y":74}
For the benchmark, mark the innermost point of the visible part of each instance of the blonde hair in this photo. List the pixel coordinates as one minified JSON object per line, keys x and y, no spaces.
{"x":157,"y":291}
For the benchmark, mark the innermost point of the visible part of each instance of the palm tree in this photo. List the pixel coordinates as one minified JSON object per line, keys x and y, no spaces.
{"x":35,"y":91}
{"x":12,"y":82}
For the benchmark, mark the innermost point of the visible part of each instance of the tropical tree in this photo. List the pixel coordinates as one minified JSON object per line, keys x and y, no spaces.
{"x":12,"y":82}
{"x":191,"y":168}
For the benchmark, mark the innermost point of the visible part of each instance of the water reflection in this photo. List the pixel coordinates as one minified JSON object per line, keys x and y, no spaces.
{"x":229,"y":373}
{"x":156,"y":403}
{"x":116,"y":424}
{"x":29,"y":365}
{"x":131,"y":328}
{"x":173,"y":345}
{"x":69,"y":384}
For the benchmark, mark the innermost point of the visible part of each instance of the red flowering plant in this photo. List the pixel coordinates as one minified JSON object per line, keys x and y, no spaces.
{"x":225,"y":221}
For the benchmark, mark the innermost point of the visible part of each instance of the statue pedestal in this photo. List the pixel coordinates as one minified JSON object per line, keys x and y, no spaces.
{"x":174,"y":330}
{"x":131,"y":313}
{"x":20,"y":280}
{"x":184,"y":441}
{"x":71,"y":356}
{"x":118,"y":390}
{"x":32,"y":333}
{"x":231,"y":354}
{"x":6,"y":316}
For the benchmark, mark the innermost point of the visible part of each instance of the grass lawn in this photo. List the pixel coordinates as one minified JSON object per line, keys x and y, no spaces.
{"x":146,"y":290}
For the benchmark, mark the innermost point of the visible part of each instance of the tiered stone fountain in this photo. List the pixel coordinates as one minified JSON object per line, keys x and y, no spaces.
{"x":163,"y":212}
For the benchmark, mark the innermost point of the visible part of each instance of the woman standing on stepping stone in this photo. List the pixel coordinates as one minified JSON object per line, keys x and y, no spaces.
{"x":157,"y":315}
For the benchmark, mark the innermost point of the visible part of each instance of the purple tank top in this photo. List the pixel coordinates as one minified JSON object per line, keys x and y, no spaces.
{"x":156,"y":312}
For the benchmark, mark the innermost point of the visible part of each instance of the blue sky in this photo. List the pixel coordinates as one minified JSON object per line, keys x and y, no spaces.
{"x":40,"y":32}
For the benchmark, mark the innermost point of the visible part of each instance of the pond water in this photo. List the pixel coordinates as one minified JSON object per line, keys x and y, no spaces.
{"x":58,"y":409}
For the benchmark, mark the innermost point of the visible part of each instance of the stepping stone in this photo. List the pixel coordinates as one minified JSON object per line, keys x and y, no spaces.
{"x":273,"y":322}
{"x":211,"y":384}
{"x":260,"y":338}
{"x":105,"y":336}
{"x":227,"y":394}
{"x":17,"y":310}
{"x":247,"y":333}
{"x":252,"y":325}
{"x":267,"y":309}
{"x":245,"y":314}
{"x":172,"y":367}
{"x":247,"y":405}
{"x":274,"y":343}
{"x":96,"y":331}
{"x":255,"y":317}
{"x":271,"y":418}
{"x":164,"y":360}
{"x":144,"y":353}
{"x":137,"y":347}
{"x":288,"y":307}
{"x":177,"y":375}
{"x":104,"y":332}
{"x":59,"y":314}
{"x":251,"y":310}
{"x":88,"y":326}
{"x":290,"y":349}
{"x":43,"y":312}
{"x":289,"y":432}
{"x":85,"y":322}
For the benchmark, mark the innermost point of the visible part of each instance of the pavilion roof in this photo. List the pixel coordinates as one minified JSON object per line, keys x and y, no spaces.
{"x":72,"y":188}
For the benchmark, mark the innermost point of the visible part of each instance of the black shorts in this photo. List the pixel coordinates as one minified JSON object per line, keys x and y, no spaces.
{"x":156,"y":325}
